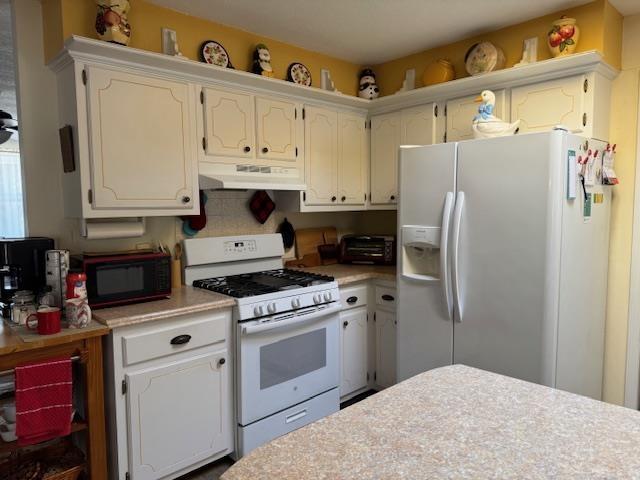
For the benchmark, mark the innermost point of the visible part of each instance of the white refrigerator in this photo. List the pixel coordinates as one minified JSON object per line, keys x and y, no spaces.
{"x":503,"y":257}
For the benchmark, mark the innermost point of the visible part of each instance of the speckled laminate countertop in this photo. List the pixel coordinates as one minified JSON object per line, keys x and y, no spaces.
{"x":346,"y":274}
{"x":458,"y":422}
{"x":184,"y":300}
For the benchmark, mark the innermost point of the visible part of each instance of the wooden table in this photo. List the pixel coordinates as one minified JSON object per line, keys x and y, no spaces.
{"x":17,"y":347}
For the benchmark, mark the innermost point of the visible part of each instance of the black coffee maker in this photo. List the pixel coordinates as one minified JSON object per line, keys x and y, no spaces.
{"x":22,"y":266}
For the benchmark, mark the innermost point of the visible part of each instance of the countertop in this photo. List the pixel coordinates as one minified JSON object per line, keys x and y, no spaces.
{"x":184,"y":300}
{"x":18,"y":339}
{"x":349,"y":273}
{"x":457,"y":422}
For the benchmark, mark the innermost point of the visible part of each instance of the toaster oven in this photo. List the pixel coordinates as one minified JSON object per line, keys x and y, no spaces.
{"x":368,"y":249}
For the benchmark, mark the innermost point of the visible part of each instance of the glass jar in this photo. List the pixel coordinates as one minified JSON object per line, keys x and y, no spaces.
{"x":23,"y":304}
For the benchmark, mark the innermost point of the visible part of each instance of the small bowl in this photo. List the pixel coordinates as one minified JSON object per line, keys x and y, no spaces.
{"x":8,"y":432}
{"x":9,"y":412}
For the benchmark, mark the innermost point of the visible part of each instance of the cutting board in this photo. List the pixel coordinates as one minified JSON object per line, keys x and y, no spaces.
{"x":307,"y":242}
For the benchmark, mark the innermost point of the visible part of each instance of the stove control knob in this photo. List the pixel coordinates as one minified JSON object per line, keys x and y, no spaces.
{"x":295,"y":303}
{"x":271,"y":308}
{"x":257,"y":311}
{"x":327,"y":296}
{"x":317,"y":298}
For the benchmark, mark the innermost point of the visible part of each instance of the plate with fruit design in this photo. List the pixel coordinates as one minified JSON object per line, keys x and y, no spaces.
{"x":213,"y":53}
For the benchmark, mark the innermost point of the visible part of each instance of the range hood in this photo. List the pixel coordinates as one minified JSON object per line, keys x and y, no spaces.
{"x":248,"y":177}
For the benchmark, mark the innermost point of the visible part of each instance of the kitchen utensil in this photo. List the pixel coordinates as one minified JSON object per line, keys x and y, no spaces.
{"x":261,"y":206}
{"x":57,"y":268}
{"x":176,"y":266}
{"x":47,"y":321}
{"x":288,"y":233}
{"x":77,"y":312}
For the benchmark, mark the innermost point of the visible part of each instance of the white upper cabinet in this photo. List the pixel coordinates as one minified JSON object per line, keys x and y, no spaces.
{"x":278,"y":128}
{"x":385,"y":142}
{"x":461,"y":111}
{"x":321,"y":154}
{"x":419,"y":125}
{"x":142,"y":147}
{"x":353,"y":159}
{"x":542,"y":106}
{"x":228,"y":124}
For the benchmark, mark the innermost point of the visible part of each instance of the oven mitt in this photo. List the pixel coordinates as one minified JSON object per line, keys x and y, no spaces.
{"x":288,"y":233}
{"x":261,"y":206}
{"x":192,"y":224}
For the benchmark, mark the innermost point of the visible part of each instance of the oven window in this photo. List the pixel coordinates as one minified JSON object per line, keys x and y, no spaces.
{"x":292,"y":357}
{"x":114,"y":280}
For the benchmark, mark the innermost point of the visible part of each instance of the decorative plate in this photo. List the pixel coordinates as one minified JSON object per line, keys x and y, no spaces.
{"x":484,"y":57}
{"x":298,"y":73}
{"x":215,"y":54}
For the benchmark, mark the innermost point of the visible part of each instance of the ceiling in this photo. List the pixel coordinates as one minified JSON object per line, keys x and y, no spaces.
{"x":369,"y":32}
{"x":626,"y":7}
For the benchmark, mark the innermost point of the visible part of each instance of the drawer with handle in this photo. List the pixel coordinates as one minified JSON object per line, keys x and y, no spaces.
{"x":351,"y":297}
{"x":386,"y":297}
{"x":175,"y":337}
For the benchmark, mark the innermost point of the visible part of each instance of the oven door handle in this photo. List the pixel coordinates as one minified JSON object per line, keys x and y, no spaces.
{"x":334,"y":307}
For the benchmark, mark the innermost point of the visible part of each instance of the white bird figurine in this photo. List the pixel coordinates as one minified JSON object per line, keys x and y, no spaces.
{"x":485,"y":124}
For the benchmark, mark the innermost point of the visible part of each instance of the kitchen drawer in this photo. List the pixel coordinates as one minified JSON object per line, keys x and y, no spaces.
{"x":174,"y":338}
{"x":262,"y":431}
{"x":386,"y":297}
{"x":352,"y":297}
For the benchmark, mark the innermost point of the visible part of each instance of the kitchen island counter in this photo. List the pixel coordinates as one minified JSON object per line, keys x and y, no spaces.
{"x":184,"y":300}
{"x":457,"y":422}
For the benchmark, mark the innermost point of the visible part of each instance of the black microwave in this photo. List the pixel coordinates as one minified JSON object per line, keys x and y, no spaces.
{"x":128,"y":278}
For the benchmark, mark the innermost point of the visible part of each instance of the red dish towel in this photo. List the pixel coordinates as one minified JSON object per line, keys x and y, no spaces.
{"x":43,"y":400}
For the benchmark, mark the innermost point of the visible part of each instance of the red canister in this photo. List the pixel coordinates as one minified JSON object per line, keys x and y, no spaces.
{"x":76,"y":284}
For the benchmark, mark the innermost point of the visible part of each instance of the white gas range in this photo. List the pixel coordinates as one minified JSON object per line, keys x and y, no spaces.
{"x":286,"y":333}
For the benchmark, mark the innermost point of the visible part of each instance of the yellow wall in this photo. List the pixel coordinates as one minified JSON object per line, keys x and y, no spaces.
{"x":597,"y":21}
{"x":78,"y":18}
{"x":624,"y":128}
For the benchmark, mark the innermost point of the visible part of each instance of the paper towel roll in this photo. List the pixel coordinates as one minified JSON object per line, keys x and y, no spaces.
{"x":106,"y":230}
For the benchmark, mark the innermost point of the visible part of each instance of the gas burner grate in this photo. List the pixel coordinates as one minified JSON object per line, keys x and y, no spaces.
{"x":260,"y":283}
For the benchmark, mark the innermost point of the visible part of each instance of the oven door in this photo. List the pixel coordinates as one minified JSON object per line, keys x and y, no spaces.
{"x":286,"y":359}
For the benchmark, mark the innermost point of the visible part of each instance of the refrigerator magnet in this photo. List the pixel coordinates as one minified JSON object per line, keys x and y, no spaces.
{"x":586,"y":209}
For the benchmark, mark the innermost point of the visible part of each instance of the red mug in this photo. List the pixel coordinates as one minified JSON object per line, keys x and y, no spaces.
{"x":47,"y":320}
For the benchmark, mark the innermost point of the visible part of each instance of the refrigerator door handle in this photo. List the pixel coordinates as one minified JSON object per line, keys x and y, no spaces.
{"x":444,"y":254}
{"x":457,"y":221}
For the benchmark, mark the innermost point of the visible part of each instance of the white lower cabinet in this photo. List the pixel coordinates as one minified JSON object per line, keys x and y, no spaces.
{"x":354,"y":351}
{"x":177,"y":414}
{"x":169,"y":408}
{"x":385,"y":322}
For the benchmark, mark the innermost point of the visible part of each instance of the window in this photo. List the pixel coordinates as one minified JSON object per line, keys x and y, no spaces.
{"x":11,"y":197}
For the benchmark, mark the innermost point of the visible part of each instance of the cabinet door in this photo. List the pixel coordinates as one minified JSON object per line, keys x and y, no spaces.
{"x":278,"y":124}
{"x":228,"y":123}
{"x":354,"y":350}
{"x":321,"y":155}
{"x":542,"y":106}
{"x":385,"y":142}
{"x":418,"y":125}
{"x":178,"y":414}
{"x":352,"y":159}
{"x":460,"y":113}
{"x":385,"y":348}
{"x":142,"y":141}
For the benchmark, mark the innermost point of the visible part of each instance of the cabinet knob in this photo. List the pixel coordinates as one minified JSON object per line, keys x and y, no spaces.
{"x":393,"y":197}
{"x":222,"y":361}
{"x":345,"y":324}
{"x":186,"y":199}
{"x":343,"y":198}
{"x":333,"y":199}
{"x":265,"y":150}
{"x":247,"y":149}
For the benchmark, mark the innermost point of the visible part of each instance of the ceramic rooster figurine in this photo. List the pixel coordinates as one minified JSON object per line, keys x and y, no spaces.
{"x":485,"y":124}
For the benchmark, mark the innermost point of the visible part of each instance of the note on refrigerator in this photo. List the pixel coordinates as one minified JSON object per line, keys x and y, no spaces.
{"x":571,"y":175}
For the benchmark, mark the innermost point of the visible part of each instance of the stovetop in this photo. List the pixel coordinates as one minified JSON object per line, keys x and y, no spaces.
{"x":259,"y":283}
